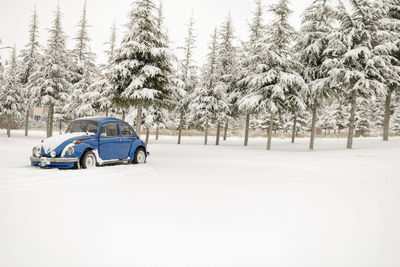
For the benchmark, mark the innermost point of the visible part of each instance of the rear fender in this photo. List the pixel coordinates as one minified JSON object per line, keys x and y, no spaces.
{"x":137,"y":143}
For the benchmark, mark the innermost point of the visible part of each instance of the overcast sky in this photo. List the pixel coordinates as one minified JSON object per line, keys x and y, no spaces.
{"x":15,"y":17}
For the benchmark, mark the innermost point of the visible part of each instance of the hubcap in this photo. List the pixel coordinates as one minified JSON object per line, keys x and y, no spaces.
{"x":141,"y":157}
{"x":90,"y":161}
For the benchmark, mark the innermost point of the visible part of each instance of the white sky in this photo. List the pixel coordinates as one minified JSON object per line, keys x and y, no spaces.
{"x":15,"y":17}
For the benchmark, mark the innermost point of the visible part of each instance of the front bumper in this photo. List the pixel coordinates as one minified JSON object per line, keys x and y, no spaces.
{"x":53,"y":162}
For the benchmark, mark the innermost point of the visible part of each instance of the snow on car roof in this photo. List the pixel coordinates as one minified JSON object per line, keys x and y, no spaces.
{"x":99,"y":119}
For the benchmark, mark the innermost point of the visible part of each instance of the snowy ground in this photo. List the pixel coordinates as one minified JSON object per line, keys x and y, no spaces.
{"x":195,"y":205}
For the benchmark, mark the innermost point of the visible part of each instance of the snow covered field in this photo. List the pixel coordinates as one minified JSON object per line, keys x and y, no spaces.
{"x":195,"y":205}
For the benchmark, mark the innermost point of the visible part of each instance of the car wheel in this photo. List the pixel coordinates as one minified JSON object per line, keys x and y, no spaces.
{"x":140,"y":156}
{"x":88,"y":160}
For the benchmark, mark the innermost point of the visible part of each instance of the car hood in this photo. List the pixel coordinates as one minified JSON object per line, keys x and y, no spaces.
{"x":54,"y":142}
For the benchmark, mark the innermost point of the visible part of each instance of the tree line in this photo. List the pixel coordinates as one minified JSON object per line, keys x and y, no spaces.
{"x":340,"y":70}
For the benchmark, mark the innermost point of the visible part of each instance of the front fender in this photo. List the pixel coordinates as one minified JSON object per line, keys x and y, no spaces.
{"x":79,"y":150}
{"x":137,"y":143}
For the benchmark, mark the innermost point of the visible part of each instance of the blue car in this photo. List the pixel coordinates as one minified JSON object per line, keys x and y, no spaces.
{"x":91,"y":142}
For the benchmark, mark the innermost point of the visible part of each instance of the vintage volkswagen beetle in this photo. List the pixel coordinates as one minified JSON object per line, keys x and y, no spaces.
{"x":90,"y":142}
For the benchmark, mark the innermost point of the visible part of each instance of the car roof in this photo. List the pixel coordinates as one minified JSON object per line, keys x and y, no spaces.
{"x":101,"y":119}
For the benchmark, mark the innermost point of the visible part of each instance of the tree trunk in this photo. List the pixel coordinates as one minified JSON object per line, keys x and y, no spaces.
{"x":123,"y":115}
{"x":157,"y":130}
{"x":180,"y":129}
{"x":205,"y":136}
{"x":218,"y":134}
{"x":106,"y":112}
{"x":352,"y":120}
{"x":147,"y":135}
{"x":139,"y":119}
{"x":386,"y":122}
{"x":246,"y":130}
{"x":27,"y":122}
{"x":9,"y":125}
{"x":51,"y":121}
{"x":313,"y":122}
{"x":226,"y":129}
{"x":271,"y":125}
{"x":60,"y":127}
{"x":294,"y":129}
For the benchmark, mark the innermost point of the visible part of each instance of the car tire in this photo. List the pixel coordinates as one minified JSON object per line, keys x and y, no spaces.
{"x":140,"y":156}
{"x":88,"y":160}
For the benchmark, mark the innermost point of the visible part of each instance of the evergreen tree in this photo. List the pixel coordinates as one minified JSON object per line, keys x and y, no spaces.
{"x":395,"y":118}
{"x":84,"y":72}
{"x":29,"y":59}
{"x":100,"y":93}
{"x":249,"y":59}
{"x":377,"y":110}
{"x":156,"y":114}
{"x":363,"y":118}
{"x":303,"y":122}
{"x":11,"y":93}
{"x":82,"y":53}
{"x":390,"y":36}
{"x":316,"y":28}
{"x":341,"y":114}
{"x":50,"y":81}
{"x":141,"y":71}
{"x":276,"y":84}
{"x":228,"y":68}
{"x":209,"y":104}
{"x":359,"y":66}
{"x":326,"y":119}
{"x":112,"y":44}
{"x":187,"y":74}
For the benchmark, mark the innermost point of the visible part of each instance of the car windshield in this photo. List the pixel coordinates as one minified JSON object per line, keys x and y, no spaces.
{"x":83,"y":126}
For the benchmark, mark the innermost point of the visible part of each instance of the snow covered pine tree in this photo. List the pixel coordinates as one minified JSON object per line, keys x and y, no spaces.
{"x":84,"y":72}
{"x":250,"y":56}
{"x":359,"y":66}
{"x":100,"y":92}
{"x":29,"y":59}
{"x":228,"y":69}
{"x":390,"y":37}
{"x":142,"y":71}
{"x":210,"y":105}
{"x":275,"y":83}
{"x":11,"y":94}
{"x":50,"y":79}
{"x":187,"y":74}
{"x":316,"y":27}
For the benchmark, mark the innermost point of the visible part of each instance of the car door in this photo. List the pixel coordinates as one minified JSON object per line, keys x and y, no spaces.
{"x":127,"y":138}
{"x":110,"y":145}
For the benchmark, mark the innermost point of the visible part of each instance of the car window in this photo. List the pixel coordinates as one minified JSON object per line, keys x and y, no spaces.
{"x":83,"y":126}
{"x":109,"y":129}
{"x":125,"y":130}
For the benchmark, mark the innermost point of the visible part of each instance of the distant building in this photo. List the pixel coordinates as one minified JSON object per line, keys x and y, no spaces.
{"x":38,"y":113}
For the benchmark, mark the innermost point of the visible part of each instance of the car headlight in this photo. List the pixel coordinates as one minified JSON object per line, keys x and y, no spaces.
{"x":53,"y":154}
{"x":36,"y":152}
{"x":70,"y":151}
